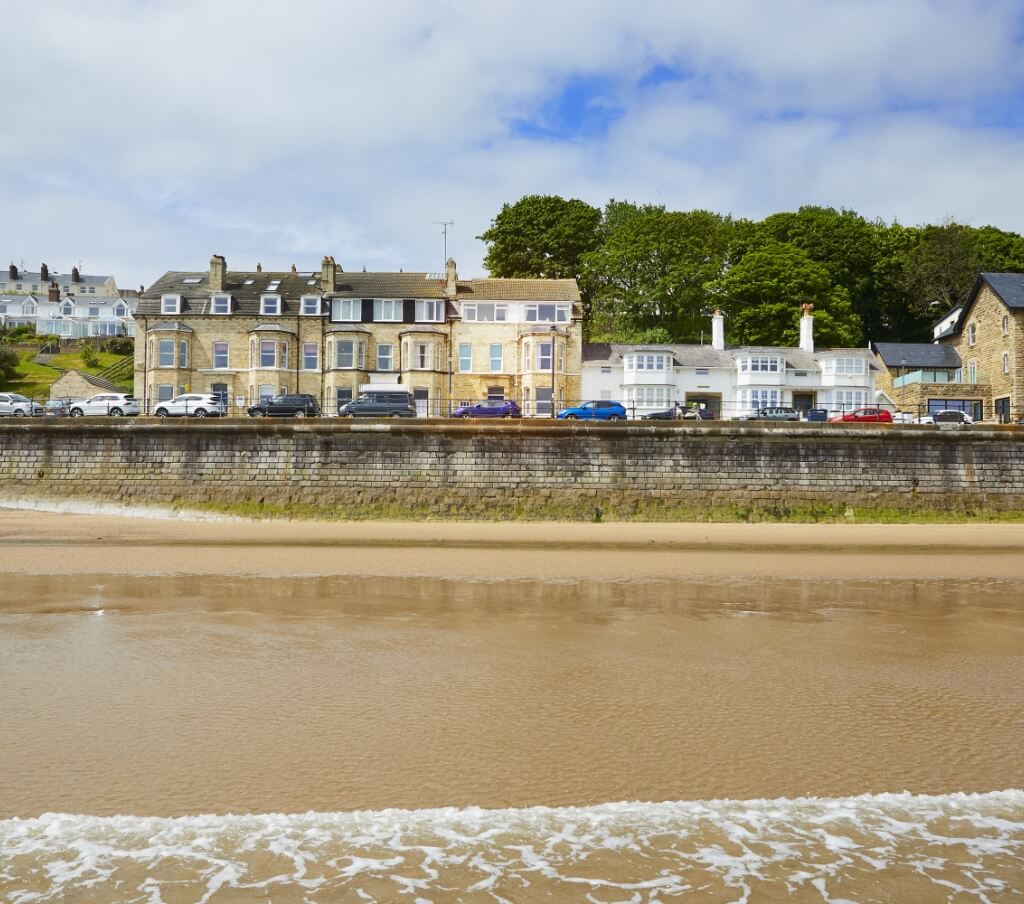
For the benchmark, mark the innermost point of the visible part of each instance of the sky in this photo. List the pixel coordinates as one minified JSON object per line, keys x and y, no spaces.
{"x":139,"y":136}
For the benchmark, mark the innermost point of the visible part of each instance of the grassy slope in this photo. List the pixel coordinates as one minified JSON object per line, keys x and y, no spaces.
{"x":34,"y":380}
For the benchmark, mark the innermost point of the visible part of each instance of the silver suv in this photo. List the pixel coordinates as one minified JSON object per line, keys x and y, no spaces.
{"x":14,"y":405}
{"x":113,"y":404}
{"x":190,"y":404}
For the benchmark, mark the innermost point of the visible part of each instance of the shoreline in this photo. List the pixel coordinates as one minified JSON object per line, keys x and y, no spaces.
{"x":35,"y":542}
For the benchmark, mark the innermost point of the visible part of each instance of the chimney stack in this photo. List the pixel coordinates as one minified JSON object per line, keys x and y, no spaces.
{"x":451,"y":278}
{"x":75,"y":275}
{"x":12,"y":272}
{"x":807,"y":328}
{"x":218,"y":270}
{"x":718,"y":331}
{"x":53,"y":293}
{"x":44,"y":273}
{"x":259,"y":267}
{"x":327,"y":274}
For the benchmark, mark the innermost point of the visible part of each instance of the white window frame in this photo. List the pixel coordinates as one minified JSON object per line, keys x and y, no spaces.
{"x":165,"y":346}
{"x":472,"y":310}
{"x":972,"y":333}
{"x":94,"y":310}
{"x":1006,"y":324}
{"x":385,"y":361}
{"x":429,"y":310}
{"x":310,"y":305}
{"x":270,"y":305}
{"x":541,"y":357}
{"x":498,"y":359}
{"x":422,"y":356}
{"x":261,"y":347}
{"x":120,"y":310}
{"x":306,"y":357}
{"x":220,"y":300}
{"x":1006,"y":362}
{"x":465,"y":357}
{"x":560,"y":313}
{"x":215,"y":354}
{"x":346,"y":310}
{"x":170,"y":304}
{"x":357,"y":354}
{"x":387,"y":310}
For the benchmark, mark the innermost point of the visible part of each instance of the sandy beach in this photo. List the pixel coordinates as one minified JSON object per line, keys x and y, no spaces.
{"x":33,"y":542}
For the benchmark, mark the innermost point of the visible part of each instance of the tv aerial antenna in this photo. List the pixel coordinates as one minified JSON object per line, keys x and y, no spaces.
{"x":445,"y":226}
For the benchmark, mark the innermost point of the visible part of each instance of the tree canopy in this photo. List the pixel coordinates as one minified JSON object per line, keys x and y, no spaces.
{"x":646,"y":271}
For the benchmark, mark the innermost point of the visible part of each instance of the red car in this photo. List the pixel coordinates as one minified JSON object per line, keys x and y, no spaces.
{"x":871,"y":415}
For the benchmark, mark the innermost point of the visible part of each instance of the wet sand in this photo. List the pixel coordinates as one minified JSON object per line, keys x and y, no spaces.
{"x":152,"y":671}
{"x":40,"y":542}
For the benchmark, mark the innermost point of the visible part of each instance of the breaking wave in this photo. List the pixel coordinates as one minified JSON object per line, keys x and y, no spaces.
{"x":878,"y":847}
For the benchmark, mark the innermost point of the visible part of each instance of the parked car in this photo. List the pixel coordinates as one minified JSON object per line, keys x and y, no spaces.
{"x":602,"y":410}
{"x":58,"y":408}
{"x":191,"y":405}
{"x":776,"y":413}
{"x":903,"y":417}
{"x":379,"y":403}
{"x":489,"y":408}
{"x":864,"y":415}
{"x":287,"y":405}
{"x":112,"y":404}
{"x":669,"y":414}
{"x":14,"y":405}
{"x":947,"y":416}
{"x":684,"y":412}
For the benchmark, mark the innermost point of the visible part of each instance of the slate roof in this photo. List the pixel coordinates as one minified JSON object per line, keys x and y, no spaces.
{"x":62,"y":279}
{"x":246,"y":287}
{"x":1008,"y":286}
{"x":917,"y":355}
{"x":171,"y":325}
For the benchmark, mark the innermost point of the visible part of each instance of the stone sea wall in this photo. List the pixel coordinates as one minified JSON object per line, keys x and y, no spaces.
{"x":359,"y":469}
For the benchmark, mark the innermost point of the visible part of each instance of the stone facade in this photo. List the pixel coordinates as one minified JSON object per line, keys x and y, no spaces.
{"x":77,"y":385}
{"x":334,"y":334}
{"x":526,"y":469}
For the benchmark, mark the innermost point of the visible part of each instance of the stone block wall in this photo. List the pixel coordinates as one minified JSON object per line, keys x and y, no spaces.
{"x":556,"y":470}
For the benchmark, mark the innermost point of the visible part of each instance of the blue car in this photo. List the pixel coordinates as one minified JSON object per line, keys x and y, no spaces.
{"x":490,"y":408}
{"x":594,"y":411}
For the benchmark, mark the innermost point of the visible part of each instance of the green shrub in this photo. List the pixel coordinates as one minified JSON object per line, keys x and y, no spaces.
{"x":120,"y":345}
{"x":9,"y":361}
{"x":89,"y":356}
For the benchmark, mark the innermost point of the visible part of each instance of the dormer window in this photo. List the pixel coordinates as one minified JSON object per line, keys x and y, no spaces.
{"x":220,"y":304}
{"x":67,"y":309}
{"x":120,"y":309}
{"x":270,"y":304}
{"x":428,"y":311}
{"x":170,"y":304}
{"x":547,"y":313}
{"x":310,"y":305}
{"x":29,"y":307}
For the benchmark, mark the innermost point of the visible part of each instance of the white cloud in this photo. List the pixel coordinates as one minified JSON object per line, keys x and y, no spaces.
{"x":143,"y":136}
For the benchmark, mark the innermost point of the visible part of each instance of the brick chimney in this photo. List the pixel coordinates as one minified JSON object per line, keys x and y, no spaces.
{"x":807,"y":328}
{"x":451,"y":278}
{"x":12,"y":272}
{"x":76,"y":277}
{"x":327,"y":274}
{"x":53,"y":293}
{"x":718,"y":331}
{"x":44,"y":273}
{"x":218,"y":270}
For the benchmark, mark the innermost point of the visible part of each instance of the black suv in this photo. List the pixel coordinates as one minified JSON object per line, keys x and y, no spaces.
{"x":291,"y":405}
{"x":377,"y":403}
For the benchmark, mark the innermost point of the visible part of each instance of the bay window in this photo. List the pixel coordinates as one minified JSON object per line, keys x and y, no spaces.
{"x":543,"y":356}
{"x":268,"y":353}
{"x":183,"y":354}
{"x":165,"y":353}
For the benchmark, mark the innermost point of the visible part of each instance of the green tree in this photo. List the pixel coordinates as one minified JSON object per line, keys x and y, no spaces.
{"x":8,"y":362}
{"x":651,"y":270}
{"x":542,"y":236}
{"x":763,"y":293}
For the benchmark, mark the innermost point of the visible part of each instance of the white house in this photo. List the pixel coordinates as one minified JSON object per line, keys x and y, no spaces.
{"x":730,"y":382}
{"x":71,"y":305}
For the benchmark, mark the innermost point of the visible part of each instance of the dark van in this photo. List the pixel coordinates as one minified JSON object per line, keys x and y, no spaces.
{"x":379,"y":404}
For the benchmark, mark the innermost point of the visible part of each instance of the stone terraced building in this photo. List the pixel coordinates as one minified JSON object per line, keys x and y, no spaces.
{"x":247,"y":335}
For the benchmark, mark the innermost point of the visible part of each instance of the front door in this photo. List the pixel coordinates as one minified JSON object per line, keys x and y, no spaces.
{"x":803,"y":401}
{"x":1002,"y":410}
{"x":544,"y":401}
{"x":422,"y":399}
{"x":220,"y":390}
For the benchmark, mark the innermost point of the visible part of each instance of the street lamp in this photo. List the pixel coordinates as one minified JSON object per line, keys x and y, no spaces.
{"x":903,"y":386}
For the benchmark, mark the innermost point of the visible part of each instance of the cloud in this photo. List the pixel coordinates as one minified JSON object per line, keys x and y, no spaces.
{"x":143,"y":136}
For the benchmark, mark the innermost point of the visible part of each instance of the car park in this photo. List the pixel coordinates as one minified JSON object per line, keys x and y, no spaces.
{"x":14,"y":405}
{"x":602,"y":410}
{"x":379,"y":403}
{"x":490,"y":408}
{"x":947,"y":416}
{"x":293,"y":404}
{"x":191,"y":405}
{"x":864,"y":416}
{"x":110,"y":404}
{"x":775,"y":413}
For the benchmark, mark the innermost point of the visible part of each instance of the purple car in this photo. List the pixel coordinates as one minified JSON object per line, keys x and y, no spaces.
{"x":490,"y":408}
